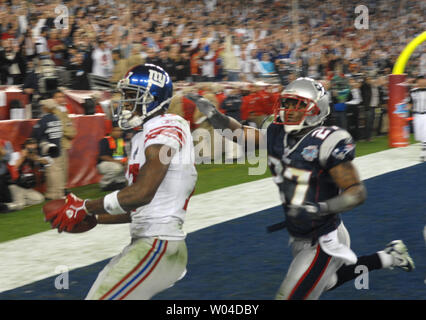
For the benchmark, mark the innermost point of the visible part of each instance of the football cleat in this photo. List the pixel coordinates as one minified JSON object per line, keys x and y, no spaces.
{"x":401,"y":257}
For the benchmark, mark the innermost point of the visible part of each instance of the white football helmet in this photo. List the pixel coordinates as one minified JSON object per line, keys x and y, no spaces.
{"x":306,"y":95}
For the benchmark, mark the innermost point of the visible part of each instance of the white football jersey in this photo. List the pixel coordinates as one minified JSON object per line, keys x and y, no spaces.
{"x":163,"y":217}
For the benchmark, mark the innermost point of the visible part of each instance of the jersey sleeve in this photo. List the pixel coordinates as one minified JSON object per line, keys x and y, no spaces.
{"x":168,"y":132}
{"x":338,"y":147}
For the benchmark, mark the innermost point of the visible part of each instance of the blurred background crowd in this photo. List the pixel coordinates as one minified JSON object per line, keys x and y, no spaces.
{"x":257,"y":45}
{"x":209,"y":40}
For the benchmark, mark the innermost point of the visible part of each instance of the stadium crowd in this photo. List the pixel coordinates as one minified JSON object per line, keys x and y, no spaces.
{"x":220,"y":45}
{"x":208,"y":40}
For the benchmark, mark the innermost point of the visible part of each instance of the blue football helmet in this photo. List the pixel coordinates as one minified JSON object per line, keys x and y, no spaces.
{"x":145,"y":90}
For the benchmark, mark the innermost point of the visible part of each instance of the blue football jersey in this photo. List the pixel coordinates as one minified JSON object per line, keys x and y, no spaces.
{"x":301,"y":171}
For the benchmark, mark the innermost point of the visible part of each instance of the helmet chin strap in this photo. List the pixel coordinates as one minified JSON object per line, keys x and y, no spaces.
{"x":128,"y":120}
{"x":293,"y":128}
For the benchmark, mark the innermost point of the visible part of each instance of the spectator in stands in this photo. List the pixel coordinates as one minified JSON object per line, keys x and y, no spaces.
{"x":267,"y":67}
{"x":85,"y":47}
{"x":79,"y":76}
{"x":68,"y":128}
{"x":355,"y":95}
{"x":27,"y":163}
{"x":249,"y":67}
{"x":183,"y":67}
{"x":177,"y":61}
{"x":166,"y":63}
{"x":41,"y":42}
{"x":231,"y":62}
{"x":30,"y":85}
{"x":102,"y":60}
{"x":353,"y":107}
{"x":56,"y":47}
{"x":112,"y":160}
{"x":120,"y":66}
{"x":326,"y":36}
{"x":285,"y":69}
{"x":13,"y":62}
{"x":208,"y":64}
{"x":135,"y":57}
{"x":48,"y":133}
{"x":3,"y":65}
{"x":340,"y":90}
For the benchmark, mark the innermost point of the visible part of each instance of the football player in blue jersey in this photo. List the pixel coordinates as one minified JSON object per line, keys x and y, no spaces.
{"x":312,"y":166}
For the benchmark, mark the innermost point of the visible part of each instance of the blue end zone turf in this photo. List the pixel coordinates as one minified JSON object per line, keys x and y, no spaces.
{"x":239,"y":260}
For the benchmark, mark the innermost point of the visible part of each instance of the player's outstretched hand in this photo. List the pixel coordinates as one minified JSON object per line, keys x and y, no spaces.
{"x":204,"y":105}
{"x":65,"y":217}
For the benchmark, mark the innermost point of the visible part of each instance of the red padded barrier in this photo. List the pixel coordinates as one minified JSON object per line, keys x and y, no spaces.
{"x":84,"y":151}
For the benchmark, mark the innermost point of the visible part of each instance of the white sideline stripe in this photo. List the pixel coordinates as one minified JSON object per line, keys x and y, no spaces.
{"x":36,"y":257}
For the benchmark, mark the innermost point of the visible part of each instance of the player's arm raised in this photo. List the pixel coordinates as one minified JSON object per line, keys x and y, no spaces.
{"x":220,"y":121}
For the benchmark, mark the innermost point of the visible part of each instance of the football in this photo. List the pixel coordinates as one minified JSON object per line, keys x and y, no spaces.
{"x":88,"y":223}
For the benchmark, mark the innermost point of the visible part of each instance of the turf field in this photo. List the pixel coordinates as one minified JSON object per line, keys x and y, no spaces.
{"x":210,"y":177}
{"x":234,"y":258}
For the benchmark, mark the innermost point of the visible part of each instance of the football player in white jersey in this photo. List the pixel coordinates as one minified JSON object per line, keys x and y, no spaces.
{"x":161,"y":176}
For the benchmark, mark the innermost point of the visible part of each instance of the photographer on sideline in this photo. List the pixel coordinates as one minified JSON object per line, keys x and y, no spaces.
{"x":26,"y":163}
{"x":112,"y":160}
{"x":48,"y":132}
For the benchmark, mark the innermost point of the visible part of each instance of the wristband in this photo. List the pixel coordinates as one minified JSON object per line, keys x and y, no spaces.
{"x":111,"y":204}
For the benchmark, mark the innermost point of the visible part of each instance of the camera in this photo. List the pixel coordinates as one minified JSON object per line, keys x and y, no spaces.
{"x":49,"y":149}
{"x":27,"y":180}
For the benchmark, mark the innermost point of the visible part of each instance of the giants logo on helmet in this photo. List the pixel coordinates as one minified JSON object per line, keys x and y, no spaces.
{"x":157,"y":78}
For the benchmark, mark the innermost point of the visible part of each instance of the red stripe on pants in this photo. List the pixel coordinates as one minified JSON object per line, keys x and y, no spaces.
{"x":133,"y":270}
